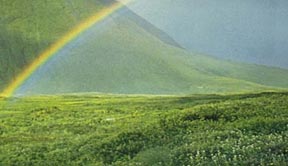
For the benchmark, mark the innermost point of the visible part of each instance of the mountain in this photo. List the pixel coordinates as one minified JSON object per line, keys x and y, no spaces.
{"x":240,"y":30}
{"x":126,"y":54}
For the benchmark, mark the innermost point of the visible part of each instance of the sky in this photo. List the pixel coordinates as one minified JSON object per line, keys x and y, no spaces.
{"x":254,"y":31}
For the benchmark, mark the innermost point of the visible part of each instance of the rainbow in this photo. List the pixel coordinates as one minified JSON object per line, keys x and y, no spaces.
{"x":55,"y":47}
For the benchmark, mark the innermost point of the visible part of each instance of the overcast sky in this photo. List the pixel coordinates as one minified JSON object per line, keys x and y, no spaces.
{"x":254,"y":31}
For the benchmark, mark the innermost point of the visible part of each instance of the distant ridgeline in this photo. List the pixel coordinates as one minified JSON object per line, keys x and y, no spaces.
{"x":126,"y":54}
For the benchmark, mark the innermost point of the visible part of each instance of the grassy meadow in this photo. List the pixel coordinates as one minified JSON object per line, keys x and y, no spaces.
{"x":96,"y":129}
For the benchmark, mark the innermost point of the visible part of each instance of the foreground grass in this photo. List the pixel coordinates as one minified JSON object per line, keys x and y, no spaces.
{"x":250,"y":129}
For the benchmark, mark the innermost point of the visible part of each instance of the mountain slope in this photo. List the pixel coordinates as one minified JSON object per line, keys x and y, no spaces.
{"x":123,"y":54}
{"x":119,"y":56}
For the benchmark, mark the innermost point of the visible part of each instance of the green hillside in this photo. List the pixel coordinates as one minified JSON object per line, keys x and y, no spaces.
{"x":248,"y":129}
{"x":28,"y":27}
{"x":124,"y":54}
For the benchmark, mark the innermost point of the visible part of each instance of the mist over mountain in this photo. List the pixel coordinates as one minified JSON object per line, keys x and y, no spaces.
{"x":253,"y":31}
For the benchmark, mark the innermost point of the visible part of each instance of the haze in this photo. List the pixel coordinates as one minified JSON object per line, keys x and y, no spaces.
{"x":253,"y":31}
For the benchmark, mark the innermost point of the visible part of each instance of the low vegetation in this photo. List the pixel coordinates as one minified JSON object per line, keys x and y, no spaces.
{"x":247,"y":129}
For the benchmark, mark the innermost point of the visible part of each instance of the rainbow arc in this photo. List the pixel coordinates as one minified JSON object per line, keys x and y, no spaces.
{"x":59,"y":44}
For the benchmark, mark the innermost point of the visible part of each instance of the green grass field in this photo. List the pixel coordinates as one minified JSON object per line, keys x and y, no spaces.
{"x":95,"y":129}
